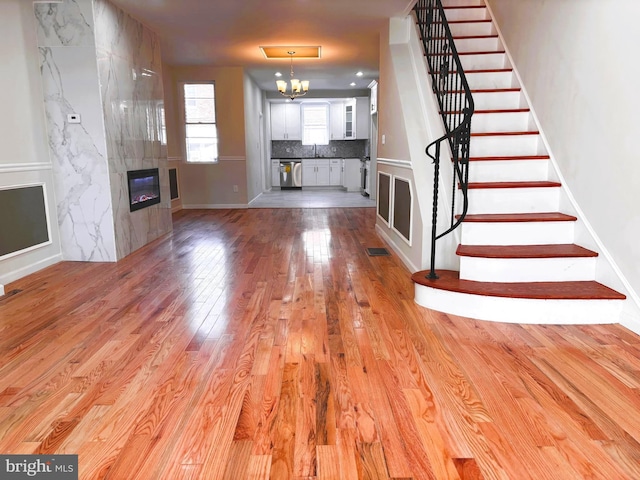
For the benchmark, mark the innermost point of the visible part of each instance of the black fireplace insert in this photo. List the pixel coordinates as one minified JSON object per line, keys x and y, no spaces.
{"x":144,"y":188}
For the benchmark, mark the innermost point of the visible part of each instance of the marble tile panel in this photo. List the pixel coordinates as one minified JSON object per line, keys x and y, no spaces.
{"x":65,"y":24}
{"x":78,"y":153}
{"x":132,"y":108}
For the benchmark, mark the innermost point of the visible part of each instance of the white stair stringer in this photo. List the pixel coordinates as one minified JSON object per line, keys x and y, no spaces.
{"x":513,"y":205}
{"x":519,"y":310}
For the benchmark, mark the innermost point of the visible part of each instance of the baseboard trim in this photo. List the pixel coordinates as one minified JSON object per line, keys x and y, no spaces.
{"x":215,"y":206}
{"x":29,"y":269}
{"x":407,"y":263}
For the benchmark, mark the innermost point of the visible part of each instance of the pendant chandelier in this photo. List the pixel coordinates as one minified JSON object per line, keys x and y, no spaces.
{"x":298,"y":88}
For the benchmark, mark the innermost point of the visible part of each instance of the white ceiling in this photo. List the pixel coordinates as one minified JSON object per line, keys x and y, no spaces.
{"x":229,"y":32}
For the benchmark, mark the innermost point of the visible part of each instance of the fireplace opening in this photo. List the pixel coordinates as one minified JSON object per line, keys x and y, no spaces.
{"x":144,"y":188}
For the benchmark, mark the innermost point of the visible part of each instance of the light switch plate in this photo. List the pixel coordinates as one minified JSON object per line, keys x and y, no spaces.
{"x":73,"y":117}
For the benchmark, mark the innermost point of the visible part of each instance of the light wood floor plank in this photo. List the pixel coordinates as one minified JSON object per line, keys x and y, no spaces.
{"x":267,"y":344}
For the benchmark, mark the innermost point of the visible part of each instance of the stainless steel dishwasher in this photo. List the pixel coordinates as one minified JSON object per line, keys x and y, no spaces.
{"x":290,"y":174}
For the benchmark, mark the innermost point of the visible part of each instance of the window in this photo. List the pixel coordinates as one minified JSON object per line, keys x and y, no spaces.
{"x":315,"y":124}
{"x":200,"y":123}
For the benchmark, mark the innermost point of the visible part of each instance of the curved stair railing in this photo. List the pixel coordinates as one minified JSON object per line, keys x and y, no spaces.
{"x":456,"y":109}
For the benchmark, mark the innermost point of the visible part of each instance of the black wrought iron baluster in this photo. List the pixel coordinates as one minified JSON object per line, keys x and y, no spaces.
{"x":456,"y":108}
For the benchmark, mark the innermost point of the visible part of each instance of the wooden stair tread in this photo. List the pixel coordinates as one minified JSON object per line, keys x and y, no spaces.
{"x":489,"y":52}
{"x":493,"y":90}
{"x":489,"y":90}
{"x":459,"y":7}
{"x":536,"y":184}
{"x":575,"y":290}
{"x":519,"y":217}
{"x":503,"y":134}
{"x":482,"y":20}
{"x":505,"y":110}
{"x":525,"y":251}
{"x":470,"y":37}
{"x":521,"y":157}
{"x":486,"y":70}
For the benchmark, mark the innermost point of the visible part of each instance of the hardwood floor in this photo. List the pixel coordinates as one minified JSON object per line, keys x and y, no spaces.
{"x":266,"y":343}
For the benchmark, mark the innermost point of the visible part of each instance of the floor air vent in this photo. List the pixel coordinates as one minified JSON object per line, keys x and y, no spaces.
{"x":9,"y":294}
{"x":377,"y":252}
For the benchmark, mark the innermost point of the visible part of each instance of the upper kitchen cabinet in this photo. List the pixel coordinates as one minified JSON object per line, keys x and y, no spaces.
{"x":363,"y":120}
{"x":336,"y":121}
{"x":285,"y":121}
{"x":343,"y":119}
{"x":350,"y":119}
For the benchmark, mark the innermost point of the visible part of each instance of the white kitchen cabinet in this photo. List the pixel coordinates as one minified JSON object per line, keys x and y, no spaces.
{"x":316,"y":172}
{"x":363,"y":118}
{"x":308,"y":173}
{"x":351,"y":174}
{"x":350,"y":119}
{"x":336,"y":120}
{"x":275,"y":173}
{"x":335,"y":172}
{"x":343,"y":121}
{"x":285,"y":121}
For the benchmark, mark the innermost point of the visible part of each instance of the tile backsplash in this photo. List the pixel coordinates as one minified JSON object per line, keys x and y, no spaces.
{"x":336,"y":149}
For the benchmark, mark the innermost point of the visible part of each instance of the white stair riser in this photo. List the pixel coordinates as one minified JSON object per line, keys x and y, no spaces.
{"x":527,"y":269}
{"x":518,"y":310}
{"x":455,"y":14}
{"x":468,"y":29}
{"x":508,"y":170}
{"x":490,"y":80}
{"x":513,"y":200}
{"x":484,"y":61}
{"x":498,"y":100}
{"x":478,"y":44}
{"x":501,"y":122}
{"x":517,"y":233}
{"x":504,"y":145}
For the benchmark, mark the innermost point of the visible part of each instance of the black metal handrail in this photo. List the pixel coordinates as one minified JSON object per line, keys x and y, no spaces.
{"x":456,"y":108}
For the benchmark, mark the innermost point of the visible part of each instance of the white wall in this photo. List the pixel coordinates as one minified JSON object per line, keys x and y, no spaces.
{"x":254,"y":139}
{"x":579,"y":64}
{"x":24,"y":158}
{"x":394,"y":157}
{"x":210,"y":185}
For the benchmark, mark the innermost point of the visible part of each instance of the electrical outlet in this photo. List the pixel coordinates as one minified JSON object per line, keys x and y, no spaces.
{"x":235,"y":189}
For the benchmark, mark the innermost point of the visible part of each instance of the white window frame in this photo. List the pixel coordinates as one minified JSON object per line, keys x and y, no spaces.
{"x":310,"y":139}
{"x":213,"y":122}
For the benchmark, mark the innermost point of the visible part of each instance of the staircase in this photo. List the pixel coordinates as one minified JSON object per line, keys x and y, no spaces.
{"x":518,"y":259}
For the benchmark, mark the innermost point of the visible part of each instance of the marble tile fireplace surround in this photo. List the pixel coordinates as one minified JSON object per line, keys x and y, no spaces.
{"x":102,"y":78}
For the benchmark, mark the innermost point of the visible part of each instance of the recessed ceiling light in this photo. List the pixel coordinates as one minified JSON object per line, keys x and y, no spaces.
{"x":278,"y":74}
{"x":359,"y":74}
{"x":353,"y":84}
